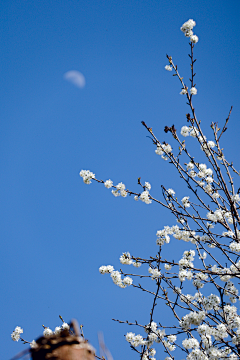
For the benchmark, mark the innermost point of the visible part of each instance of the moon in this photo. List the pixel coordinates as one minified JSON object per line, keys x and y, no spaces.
{"x":75,"y":77}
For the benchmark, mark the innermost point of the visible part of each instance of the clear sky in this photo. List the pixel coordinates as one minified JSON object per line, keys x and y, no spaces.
{"x":55,"y":230}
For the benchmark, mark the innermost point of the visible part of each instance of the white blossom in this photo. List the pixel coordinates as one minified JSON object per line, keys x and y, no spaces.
{"x":168,"y":68}
{"x":211,"y":144}
{"x":155,"y":273}
{"x":120,"y":186}
{"x":190,"y":343}
{"x":183,"y":92}
{"x":65,"y":326}
{"x":235,"y":197}
{"x":125,"y":258}
{"x":147,"y":185}
{"x":16,"y":333}
{"x":33,"y":344}
{"x":235,"y":246}
{"x":47,"y":332}
{"x":57,"y":330}
{"x":185,"y":131}
{"x":106,"y":269}
{"x":171,"y":192}
{"x":144,"y":197}
{"x":188,"y":25}
{"x":108,"y":184}
{"x":87,"y":176}
{"x":127,"y":281}
{"x":185,"y":201}
{"x":194,"y":39}
{"x":193,"y":91}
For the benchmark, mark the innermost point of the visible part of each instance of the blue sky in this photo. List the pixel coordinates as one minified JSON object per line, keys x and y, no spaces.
{"x":56,"y":231}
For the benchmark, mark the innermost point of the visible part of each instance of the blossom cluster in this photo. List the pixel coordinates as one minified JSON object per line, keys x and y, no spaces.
{"x":87,"y":176}
{"x":187,"y":29}
{"x":185,"y":265}
{"x":116,"y":276}
{"x":163,"y":150}
{"x":16,"y":334}
{"x":48,"y":332}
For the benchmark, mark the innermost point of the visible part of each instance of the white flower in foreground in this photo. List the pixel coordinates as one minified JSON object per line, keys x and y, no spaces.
{"x":235,"y":246}
{"x":194,"y":132}
{"x":16,"y":333}
{"x":57,"y":330}
{"x":106,"y":269}
{"x":120,"y":186}
{"x":116,"y":193}
{"x":125,"y":258}
{"x":194,"y":39}
{"x":168,"y":68}
{"x":188,"y":33}
{"x":18,"y":330}
{"x":172,"y":338}
{"x":193,"y":91}
{"x":190,"y":343}
{"x":155,"y":273}
{"x":65,"y":326}
{"x":183,"y":92}
{"x":147,"y":185}
{"x":145,"y":197}
{"x":190,"y":166}
{"x":130,"y":336}
{"x":127,"y":281}
{"x":87,"y":176}
{"x":211,"y":144}
{"x":108,"y":184}
{"x":33,"y":345}
{"x":123,"y":193}
{"x":185,"y":201}
{"x":185,"y":131}
{"x":136,"y":198}
{"x":167,"y":266}
{"x":47,"y":332}
{"x":15,"y":336}
{"x":236,"y":198}
{"x":171,"y":192}
{"x":188,"y":25}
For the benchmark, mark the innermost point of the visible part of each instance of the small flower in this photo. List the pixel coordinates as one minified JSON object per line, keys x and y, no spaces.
{"x":106,"y":269}
{"x":147,"y":185}
{"x":120,"y":186}
{"x":236,"y":198}
{"x":194,"y":39}
{"x":145,"y":197}
{"x":125,"y":258}
{"x":127,"y":281}
{"x":171,"y":192}
{"x":33,"y":345}
{"x":57,"y":330}
{"x":65,"y":326}
{"x":211,"y":144}
{"x":116,"y":193}
{"x":188,"y":25}
{"x":47,"y":332}
{"x":183,"y":92}
{"x":16,"y":333}
{"x":136,"y":198}
{"x":193,"y":91}
{"x":123,"y":193}
{"x":185,"y":131}
{"x":168,"y":68}
{"x":87,"y":176}
{"x":185,"y":201}
{"x":108,"y":184}
{"x":167,"y":266}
